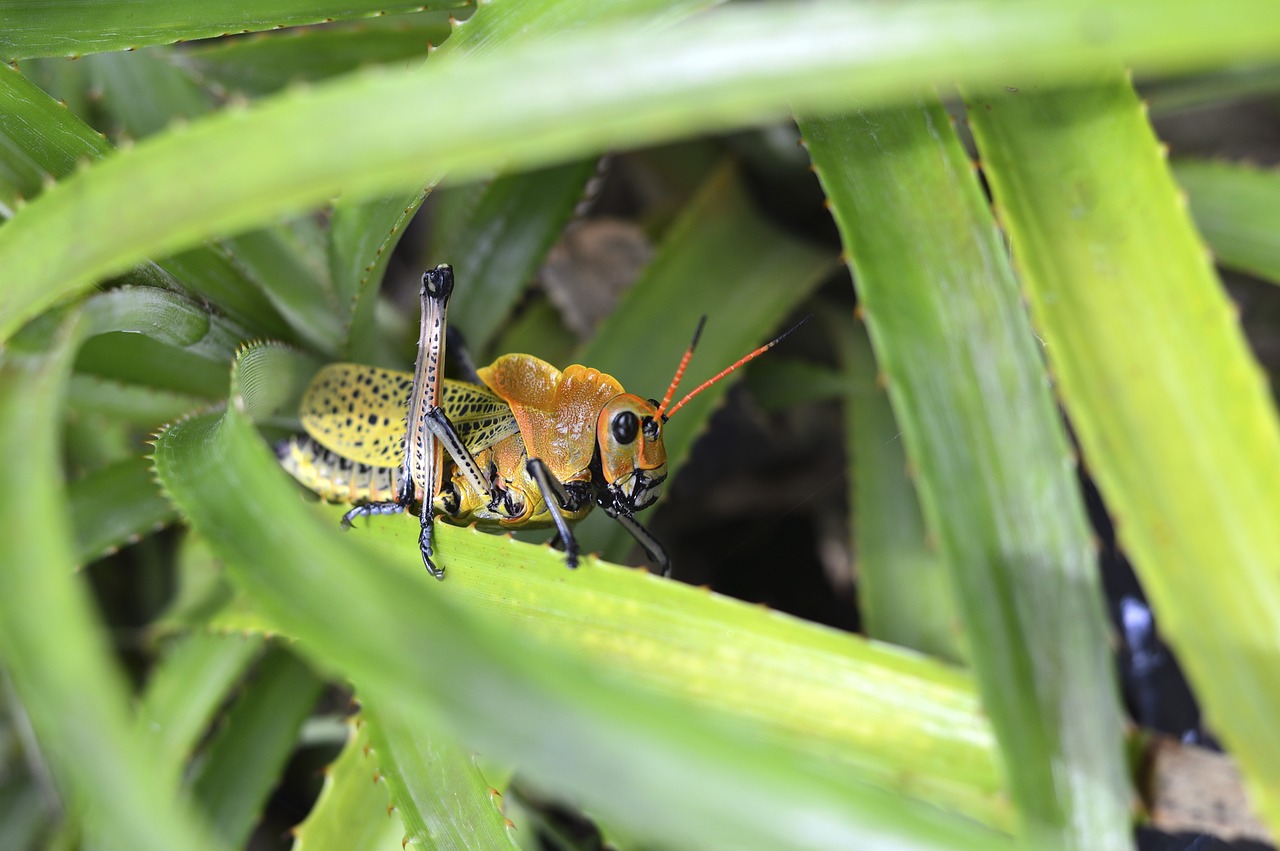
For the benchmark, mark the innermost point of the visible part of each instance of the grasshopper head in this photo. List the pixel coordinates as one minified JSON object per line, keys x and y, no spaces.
{"x":632,"y":457}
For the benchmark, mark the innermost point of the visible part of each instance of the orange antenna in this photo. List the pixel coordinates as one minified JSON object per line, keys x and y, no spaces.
{"x":704,"y":385}
{"x":684,"y":362}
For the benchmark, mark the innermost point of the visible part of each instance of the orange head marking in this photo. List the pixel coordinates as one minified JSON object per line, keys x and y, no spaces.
{"x":632,"y":457}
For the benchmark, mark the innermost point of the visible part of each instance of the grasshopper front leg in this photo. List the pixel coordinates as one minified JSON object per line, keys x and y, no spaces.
{"x":555,"y":494}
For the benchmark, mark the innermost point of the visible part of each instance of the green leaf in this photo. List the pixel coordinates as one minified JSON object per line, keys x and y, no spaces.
{"x":434,"y":784}
{"x":53,"y":644}
{"x":269,"y":61}
{"x":297,"y":287}
{"x":167,"y":318}
{"x":1175,"y":419}
{"x":114,"y":506}
{"x":41,"y":139}
{"x":499,"y":243}
{"x":352,"y":813}
{"x":77,"y":27}
{"x":243,"y":166}
{"x":1237,"y":209}
{"x":143,"y":92}
{"x":232,"y":779}
{"x":143,"y":406}
{"x":370,"y":610}
{"x":186,"y":690}
{"x":995,"y":477}
{"x":365,"y":232}
{"x":903,"y":588}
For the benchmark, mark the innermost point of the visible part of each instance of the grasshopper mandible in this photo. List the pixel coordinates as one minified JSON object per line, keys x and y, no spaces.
{"x":523,"y":445}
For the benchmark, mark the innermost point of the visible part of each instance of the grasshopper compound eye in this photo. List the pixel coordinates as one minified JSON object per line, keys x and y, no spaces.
{"x":624,"y":427}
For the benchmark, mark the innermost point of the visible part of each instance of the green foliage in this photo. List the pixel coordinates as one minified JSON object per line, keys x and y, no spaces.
{"x":191,"y":230}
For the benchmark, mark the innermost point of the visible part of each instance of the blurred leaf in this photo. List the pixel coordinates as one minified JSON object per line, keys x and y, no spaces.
{"x":143,"y":406}
{"x":779,"y":382}
{"x":242,"y":167}
{"x":903,"y":589}
{"x":210,"y":271}
{"x":77,"y":27}
{"x":1174,"y":416}
{"x":1237,"y":210}
{"x":539,"y":331}
{"x":187,"y":688}
{"x":995,"y":477}
{"x":352,"y":814}
{"x":498,"y":244}
{"x":143,"y":92}
{"x":298,"y":287}
{"x":202,"y":589}
{"x":137,"y":359}
{"x":366,"y":231}
{"x":167,"y":318}
{"x":146,"y":93}
{"x":41,"y":140}
{"x":268,"y":61}
{"x":1181,"y":94}
{"x":114,"y":506}
{"x":52,"y":642}
{"x":434,"y":784}
{"x":243,"y":762}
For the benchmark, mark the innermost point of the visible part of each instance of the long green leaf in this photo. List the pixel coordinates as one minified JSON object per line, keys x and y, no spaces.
{"x":41,"y":140}
{"x":968,"y":387}
{"x":435,"y":784}
{"x":1176,"y":422}
{"x":246,"y":165}
{"x":53,"y":645}
{"x":1237,"y":209}
{"x":569,"y":725}
{"x":272,"y":60}
{"x":498,"y":244}
{"x":167,"y":318}
{"x":142,"y":406}
{"x":352,"y":813}
{"x":143,"y":92}
{"x":244,"y":761}
{"x":115,"y":505}
{"x":903,"y":589}
{"x":185,"y":691}
{"x":365,"y":232}
{"x":76,"y":27}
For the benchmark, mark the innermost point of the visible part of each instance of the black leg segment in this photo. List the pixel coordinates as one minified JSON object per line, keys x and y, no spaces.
{"x":556,"y":497}
{"x":646,"y":539}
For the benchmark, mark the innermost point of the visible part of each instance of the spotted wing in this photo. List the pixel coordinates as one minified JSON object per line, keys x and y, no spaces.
{"x":359,"y":413}
{"x":480,"y":417}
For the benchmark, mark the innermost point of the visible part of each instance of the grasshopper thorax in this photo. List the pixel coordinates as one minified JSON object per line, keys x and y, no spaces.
{"x":633,"y":461}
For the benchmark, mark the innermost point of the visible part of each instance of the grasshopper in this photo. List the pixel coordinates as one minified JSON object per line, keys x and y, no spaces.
{"x":522,"y":445}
